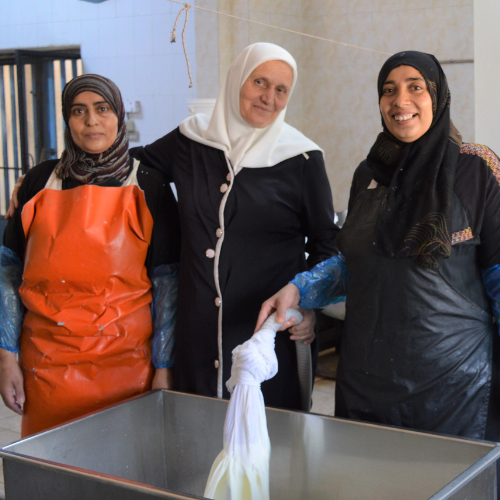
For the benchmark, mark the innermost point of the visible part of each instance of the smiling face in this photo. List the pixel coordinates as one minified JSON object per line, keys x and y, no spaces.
{"x":406,"y":104}
{"x":265,"y":93}
{"x":92,"y":123}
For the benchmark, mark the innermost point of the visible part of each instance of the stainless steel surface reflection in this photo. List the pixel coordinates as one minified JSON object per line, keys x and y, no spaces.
{"x":162,"y":445}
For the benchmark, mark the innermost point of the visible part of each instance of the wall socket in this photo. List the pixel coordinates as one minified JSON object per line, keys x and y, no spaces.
{"x":132,"y":106}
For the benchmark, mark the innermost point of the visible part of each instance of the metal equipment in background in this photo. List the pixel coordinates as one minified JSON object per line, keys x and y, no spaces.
{"x":162,"y":445}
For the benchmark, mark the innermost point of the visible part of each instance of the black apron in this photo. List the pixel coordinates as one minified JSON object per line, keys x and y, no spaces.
{"x":417,"y":346}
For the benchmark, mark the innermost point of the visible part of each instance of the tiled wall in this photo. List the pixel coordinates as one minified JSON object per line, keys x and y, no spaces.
{"x":207,"y":49}
{"x":126,"y":40}
{"x":335,"y":102}
{"x":487,"y":72}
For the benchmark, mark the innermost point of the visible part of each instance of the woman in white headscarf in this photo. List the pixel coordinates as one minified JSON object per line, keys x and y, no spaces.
{"x":251,"y":189}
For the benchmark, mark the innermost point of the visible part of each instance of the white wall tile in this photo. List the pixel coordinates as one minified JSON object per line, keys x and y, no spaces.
{"x":143,"y":35}
{"x":90,"y":39}
{"x":124,"y":77}
{"x":97,"y":65}
{"x":125,"y":8}
{"x":16,"y":36}
{"x":125,"y":36}
{"x":60,"y":10}
{"x":143,"y":8}
{"x":74,"y":9}
{"x":164,"y":121}
{"x":163,"y":76}
{"x":65,"y":33}
{"x":163,"y":6}
{"x":145,"y":67}
{"x":9,"y":10}
{"x":161,"y":31}
{"x":108,"y":46}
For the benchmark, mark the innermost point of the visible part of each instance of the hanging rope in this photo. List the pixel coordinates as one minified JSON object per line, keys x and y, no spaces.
{"x":172,"y":38}
{"x":187,"y":6}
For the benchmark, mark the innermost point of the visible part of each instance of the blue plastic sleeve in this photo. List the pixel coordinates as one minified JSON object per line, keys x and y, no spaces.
{"x":491,"y":280}
{"x":164,"y":311}
{"x":11,"y":307}
{"x":326,"y":283}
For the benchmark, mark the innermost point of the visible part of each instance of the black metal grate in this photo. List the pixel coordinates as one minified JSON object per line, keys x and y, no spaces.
{"x":31,"y":124}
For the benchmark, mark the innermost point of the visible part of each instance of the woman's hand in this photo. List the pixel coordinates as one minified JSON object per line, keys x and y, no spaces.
{"x":304,"y":331}
{"x":11,"y":381}
{"x":14,"y":203}
{"x":288,"y":296}
{"x":163,"y":379}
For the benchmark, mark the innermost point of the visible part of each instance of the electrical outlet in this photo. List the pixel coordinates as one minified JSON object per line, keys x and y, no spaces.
{"x":132,"y":106}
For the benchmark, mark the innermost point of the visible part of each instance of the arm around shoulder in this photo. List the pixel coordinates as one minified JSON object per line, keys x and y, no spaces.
{"x":159,"y":155}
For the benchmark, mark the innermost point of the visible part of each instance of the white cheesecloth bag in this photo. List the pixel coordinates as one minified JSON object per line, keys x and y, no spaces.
{"x":241,"y":470}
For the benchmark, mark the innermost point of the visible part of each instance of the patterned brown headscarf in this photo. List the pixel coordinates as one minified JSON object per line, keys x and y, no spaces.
{"x":114,"y":163}
{"x":416,"y":218}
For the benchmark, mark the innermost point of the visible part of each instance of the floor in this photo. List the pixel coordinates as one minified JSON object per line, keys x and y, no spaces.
{"x":10,"y":430}
{"x":323,"y":403}
{"x":323,"y":397}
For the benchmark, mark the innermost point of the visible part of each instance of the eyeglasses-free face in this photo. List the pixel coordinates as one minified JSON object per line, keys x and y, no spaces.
{"x":265,"y":93}
{"x":406,"y":104}
{"x":92,"y":123}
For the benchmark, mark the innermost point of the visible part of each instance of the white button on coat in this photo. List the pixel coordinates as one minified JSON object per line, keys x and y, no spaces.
{"x":210,"y":253}
{"x":228,"y":177}
{"x":224,"y":188}
{"x":219,"y":232}
{"x":216,"y":363}
{"x":218,"y":301}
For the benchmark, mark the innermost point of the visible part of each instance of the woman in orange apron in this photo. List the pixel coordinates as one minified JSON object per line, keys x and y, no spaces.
{"x":94,"y":268}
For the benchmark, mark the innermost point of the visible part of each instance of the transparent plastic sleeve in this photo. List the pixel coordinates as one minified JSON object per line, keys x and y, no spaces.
{"x":11,"y":307}
{"x":164,"y":311}
{"x":326,"y":283}
{"x":491,"y":280}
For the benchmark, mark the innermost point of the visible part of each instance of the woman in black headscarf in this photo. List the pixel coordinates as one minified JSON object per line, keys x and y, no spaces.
{"x":422,"y":245}
{"x":96,"y":241}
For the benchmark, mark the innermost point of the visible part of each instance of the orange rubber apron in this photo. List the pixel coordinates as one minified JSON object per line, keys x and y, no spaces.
{"x":86,"y":336}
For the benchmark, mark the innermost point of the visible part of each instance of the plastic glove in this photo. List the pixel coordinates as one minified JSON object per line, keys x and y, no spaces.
{"x":164,"y":312}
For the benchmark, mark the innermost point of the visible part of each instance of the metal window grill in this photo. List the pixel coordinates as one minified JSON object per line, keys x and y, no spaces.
{"x":31,"y":123}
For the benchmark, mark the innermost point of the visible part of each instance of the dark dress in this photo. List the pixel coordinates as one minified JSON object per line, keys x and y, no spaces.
{"x":268,"y":213}
{"x":419,"y":347}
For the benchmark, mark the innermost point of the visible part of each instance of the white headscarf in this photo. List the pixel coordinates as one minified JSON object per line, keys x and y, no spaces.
{"x":245,"y":145}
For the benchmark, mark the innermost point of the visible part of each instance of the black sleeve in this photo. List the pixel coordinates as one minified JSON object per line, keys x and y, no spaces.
{"x":477,"y":185}
{"x":489,"y":247}
{"x":318,"y":211}
{"x":35,"y":180}
{"x":166,"y":238}
{"x":160,"y":154}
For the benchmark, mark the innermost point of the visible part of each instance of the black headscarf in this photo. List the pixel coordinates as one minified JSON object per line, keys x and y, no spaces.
{"x":114,"y":163}
{"x":415,"y":221}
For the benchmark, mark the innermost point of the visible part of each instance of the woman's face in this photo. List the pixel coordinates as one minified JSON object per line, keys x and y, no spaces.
{"x":406,"y":104}
{"x":92,"y":123}
{"x":265,"y":93}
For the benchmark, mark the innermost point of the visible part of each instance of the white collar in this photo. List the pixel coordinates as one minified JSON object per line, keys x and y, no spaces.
{"x":226,"y":130}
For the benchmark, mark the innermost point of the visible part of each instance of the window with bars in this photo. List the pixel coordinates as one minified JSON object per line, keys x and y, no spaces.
{"x":31,"y":123}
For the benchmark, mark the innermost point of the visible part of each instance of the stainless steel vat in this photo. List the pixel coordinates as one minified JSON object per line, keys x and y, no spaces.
{"x":162,"y":445}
